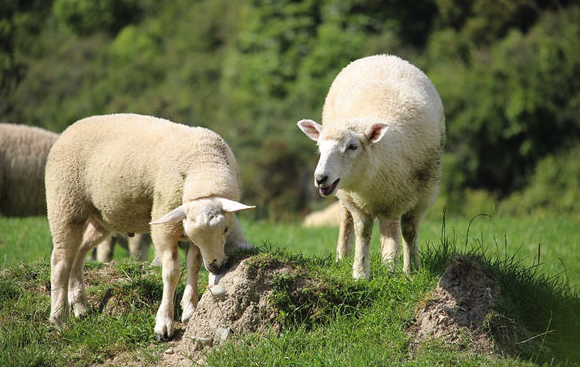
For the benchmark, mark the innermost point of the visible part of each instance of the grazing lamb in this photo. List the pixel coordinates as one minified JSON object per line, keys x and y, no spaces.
{"x":129,"y":173}
{"x":23,"y":152}
{"x":380,"y":147}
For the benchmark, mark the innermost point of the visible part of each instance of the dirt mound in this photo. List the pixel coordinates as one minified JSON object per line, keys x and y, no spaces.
{"x":458,"y":307}
{"x":249,"y":305}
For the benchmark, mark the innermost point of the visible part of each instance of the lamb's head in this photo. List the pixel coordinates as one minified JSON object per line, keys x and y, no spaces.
{"x":343,"y":153}
{"x":207,"y":222}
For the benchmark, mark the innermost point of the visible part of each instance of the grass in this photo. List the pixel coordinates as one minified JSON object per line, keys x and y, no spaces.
{"x":365,"y":323}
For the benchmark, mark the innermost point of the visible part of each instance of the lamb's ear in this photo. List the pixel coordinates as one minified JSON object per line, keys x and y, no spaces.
{"x":375,"y":132}
{"x":231,"y":206}
{"x":310,"y":128}
{"x":173,"y":216}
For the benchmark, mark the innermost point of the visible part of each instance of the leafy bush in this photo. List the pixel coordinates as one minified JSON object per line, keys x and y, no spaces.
{"x":554,"y":187}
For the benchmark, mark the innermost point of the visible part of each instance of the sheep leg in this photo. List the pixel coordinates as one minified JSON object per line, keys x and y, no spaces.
{"x":363,"y":227}
{"x":104,"y":251}
{"x":66,"y":241}
{"x":410,"y":226}
{"x":345,"y":238}
{"x":389,"y":241}
{"x":190,"y":295}
{"x":139,"y":246}
{"x":166,"y":249}
{"x":93,"y":234}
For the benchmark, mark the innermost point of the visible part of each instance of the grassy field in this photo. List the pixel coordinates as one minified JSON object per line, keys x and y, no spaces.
{"x":539,"y":297}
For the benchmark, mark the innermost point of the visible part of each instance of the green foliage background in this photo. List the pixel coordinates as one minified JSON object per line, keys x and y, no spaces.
{"x":508,"y":72}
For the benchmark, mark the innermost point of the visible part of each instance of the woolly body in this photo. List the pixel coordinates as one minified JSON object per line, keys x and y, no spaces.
{"x":116,"y":173}
{"x":23,"y":152}
{"x":381,"y":144}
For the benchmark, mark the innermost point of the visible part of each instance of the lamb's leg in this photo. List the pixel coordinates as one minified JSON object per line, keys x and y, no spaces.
{"x":345,"y":238}
{"x":66,"y":241}
{"x":190,"y":295}
{"x":93,"y":234}
{"x":410,"y":227}
{"x":166,"y":249}
{"x":389,"y":241}
{"x":363,"y":228}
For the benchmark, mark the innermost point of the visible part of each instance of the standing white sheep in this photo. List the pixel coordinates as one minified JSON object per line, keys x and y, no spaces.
{"x":120,"y":172}
{"x":23,"y":152}
{"x":380,"y":145}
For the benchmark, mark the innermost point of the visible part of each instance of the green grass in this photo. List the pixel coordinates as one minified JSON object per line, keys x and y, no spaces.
{"x":552,"y":244}
{"x":363,"y":323}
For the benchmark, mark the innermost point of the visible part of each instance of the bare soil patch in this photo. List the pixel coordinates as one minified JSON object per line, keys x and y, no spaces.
{"x":461,"y":312}
{"x":256,"y":290}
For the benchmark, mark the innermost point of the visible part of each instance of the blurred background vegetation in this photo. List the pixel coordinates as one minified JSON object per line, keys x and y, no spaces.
{"x":508,"y":72}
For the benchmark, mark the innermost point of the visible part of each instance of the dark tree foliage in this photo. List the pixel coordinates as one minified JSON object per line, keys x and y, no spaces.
{"x":508,"y":72}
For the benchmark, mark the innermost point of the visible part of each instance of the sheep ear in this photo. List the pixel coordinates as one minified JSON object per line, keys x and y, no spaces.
{"x":310,"y":128}
{"x":375,"y":132}
{"x":231,"y":206}
{"x":175,"y":215}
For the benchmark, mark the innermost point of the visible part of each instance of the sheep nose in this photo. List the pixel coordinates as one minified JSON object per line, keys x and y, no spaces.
{"x":320,"y":179}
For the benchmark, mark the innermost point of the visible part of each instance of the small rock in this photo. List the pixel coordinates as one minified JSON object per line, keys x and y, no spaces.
{"x":222,"y":334}
{"x":201,"y":342}
{"x":169,"y":351}
{"x":218,"y":292}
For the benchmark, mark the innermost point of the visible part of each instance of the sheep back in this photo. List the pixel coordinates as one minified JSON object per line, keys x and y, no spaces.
{"x":23,"y":152}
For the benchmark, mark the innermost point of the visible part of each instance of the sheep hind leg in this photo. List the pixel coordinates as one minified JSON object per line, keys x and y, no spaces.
{"x":389,"y":242}
{"x":66,"y":241}
{"x":190,"y":295}
{"x":92,"y":235}
{"x":104,"y":251}
{"x":139,"y":246}
{"x":410,"y":228}
{"x":345,"y":234}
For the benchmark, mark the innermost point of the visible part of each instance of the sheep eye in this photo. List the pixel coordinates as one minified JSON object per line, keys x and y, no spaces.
{"x":352,"y":147}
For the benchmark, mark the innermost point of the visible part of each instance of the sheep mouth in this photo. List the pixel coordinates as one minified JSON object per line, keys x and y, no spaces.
{"x":327,"y":190}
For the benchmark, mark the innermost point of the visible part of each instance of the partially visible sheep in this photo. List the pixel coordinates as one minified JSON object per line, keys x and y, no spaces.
{"x":380,"y":145}
{"x":23,"y":152}
{"x":137,"y":245}
{"x":117,"y":173}
{"x":327,"y":217}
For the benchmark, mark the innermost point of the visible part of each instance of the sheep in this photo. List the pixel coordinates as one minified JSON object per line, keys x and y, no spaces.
{"x":131,"y":173}
{"x":23,"y":152}
{"x":380,"y":147}
{"x":327,"y":217}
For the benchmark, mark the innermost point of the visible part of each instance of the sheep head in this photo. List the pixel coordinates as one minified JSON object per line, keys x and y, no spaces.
{"x":342,"y":152}
{"x":207,"y":222}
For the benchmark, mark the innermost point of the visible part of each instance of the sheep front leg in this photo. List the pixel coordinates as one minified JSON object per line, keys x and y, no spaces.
{"x":389,"y":241}
{"x":170,"y":275}
{"x":363,"y":227}
{"x":190,"y":295}
{"x":344,"y":246}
